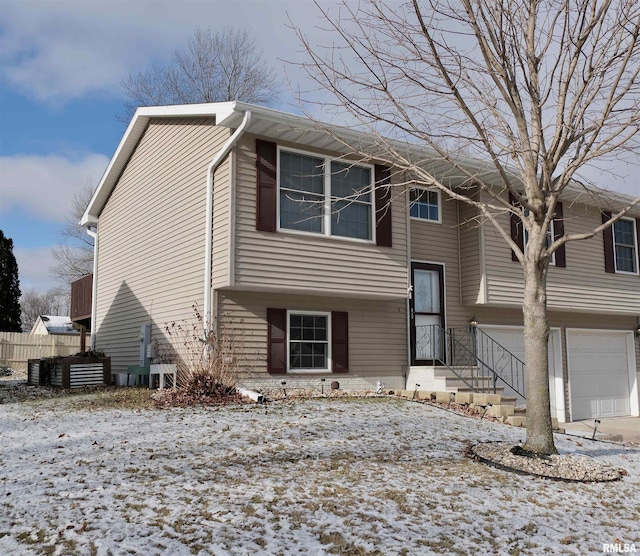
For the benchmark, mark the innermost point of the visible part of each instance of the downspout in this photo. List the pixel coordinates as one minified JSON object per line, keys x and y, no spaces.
{"x":208,"y":258}
{"x":94,"y":287}
{"x":407,"y":198}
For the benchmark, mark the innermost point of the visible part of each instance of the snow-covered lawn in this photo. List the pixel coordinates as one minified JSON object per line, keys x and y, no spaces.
{"x":323,"y":476}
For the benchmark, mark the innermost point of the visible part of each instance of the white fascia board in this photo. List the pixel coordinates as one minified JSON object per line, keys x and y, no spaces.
{"x":230,"y":114}
{"x":185,"y":110}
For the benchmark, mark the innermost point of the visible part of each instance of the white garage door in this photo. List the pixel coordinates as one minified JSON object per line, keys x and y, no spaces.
{"x":598,"y":374}
{"x":511,"y":338}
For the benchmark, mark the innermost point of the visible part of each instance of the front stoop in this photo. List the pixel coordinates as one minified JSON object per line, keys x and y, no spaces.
{"x":495,"y":405}
{"x":442,"y":379}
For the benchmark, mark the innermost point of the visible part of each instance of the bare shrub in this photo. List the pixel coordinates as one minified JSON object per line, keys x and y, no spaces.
{"x":208,"y":361}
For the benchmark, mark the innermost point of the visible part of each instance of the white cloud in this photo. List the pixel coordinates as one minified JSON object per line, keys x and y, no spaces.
{"x":64,"y":50}
{"x":44,"y":186}
{"x":59,"y":51}
{"x":33,"y":268}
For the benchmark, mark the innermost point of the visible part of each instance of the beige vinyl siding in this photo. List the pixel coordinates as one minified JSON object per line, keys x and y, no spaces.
{"x":152,"y":235}
{"x":307,"y":263}
{"x":377,"y":329}
{"x":582,"y":286}
{"x":513,"y":317}
{"x":221,"y":246}
{"x":470,"y":256}
{"x":433,"y":242}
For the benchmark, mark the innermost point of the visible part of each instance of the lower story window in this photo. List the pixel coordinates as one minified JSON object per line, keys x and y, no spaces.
{"x":308,"y":341}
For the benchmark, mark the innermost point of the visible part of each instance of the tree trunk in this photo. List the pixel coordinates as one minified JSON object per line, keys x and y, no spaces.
{"x":536,"y":335}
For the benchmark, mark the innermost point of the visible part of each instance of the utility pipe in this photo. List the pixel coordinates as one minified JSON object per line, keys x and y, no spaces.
{"x":94,"y":287}
{"x":208,"y":258}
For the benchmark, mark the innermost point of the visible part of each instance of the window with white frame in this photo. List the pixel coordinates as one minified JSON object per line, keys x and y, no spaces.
{"x":425,"y":204}
{"x":624,"y":246}
{"x":323,"y":196}
{"x":309,"y":341}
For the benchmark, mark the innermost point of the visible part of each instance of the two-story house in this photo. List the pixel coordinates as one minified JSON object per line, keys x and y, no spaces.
{"x":252,"y":214}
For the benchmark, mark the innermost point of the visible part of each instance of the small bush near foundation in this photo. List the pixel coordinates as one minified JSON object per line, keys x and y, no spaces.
{"x":207,"y":362}
{"x":5,"y":369}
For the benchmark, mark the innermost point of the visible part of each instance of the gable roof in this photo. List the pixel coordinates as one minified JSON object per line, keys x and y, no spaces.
{"x":56,"y":324}
{"x":283,"y":126}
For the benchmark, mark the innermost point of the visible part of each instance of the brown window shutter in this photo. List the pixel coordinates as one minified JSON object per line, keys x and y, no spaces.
{"x":607,"y":235}
{"x":558,"y":232}
{"x":266,"y":187}
{"x":340,"y":341}
{"x":383,"y":205}
{"x":517,"y":230}
{"x":277,"y":341}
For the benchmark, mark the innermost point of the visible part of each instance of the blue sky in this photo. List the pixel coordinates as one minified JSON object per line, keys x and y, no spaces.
{"x":60,"y":72}
{"x":60,"y":91}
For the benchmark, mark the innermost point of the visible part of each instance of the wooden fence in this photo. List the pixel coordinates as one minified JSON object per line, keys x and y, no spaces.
{"x":17,"y":347}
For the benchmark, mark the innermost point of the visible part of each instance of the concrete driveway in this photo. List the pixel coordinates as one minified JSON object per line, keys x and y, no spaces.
{"x":626,"y":429}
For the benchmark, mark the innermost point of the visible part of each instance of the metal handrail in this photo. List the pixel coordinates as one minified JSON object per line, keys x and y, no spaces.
{"x":434,"y":343}
{"x":505,"y":364}
{"x":473,"y":361}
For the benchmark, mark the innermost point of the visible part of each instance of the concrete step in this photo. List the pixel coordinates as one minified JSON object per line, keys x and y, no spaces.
{"x":464,"y":371}
{"x":467,"y":390}
{"x":489,"y":390}
{"x":454,"y":382}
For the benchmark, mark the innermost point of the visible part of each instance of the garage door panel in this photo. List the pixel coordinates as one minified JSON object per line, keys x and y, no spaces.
{"x":622,"y":406}
{"x":598,"y":374}
{"x":583,"y":406}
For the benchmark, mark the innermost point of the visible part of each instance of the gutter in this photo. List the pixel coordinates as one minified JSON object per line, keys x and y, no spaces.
{"x":94,"y":287}
{"x":208,"y":258}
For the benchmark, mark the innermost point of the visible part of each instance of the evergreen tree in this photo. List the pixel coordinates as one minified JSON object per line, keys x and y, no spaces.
{"x":10,"y":320}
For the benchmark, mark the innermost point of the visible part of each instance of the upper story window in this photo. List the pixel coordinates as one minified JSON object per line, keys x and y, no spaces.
{"x":322,"y":196}
{"x":555,"y":231}
{"x":624,"y":246}
{"x":425,"y":204}
{"x":547,"y":241}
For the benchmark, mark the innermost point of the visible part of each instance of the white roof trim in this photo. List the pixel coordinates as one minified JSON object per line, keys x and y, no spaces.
{"x":129,"y":141}
{"x":230,"y":114}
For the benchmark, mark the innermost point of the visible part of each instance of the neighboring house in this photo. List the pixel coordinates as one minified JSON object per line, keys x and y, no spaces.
{"x":54,"y":325}
{"x":233,"y":207}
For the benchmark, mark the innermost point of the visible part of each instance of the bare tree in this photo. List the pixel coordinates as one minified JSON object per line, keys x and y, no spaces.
{"x":74,"y":255}
{"x":216,"y":66}
{"x":33,"y":304}
{"x":539,"y":89}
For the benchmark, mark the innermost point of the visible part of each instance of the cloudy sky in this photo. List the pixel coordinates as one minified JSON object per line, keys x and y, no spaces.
{"x":60,"y":72}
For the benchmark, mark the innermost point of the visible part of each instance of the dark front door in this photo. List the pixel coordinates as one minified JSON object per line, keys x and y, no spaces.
{"x":427,"y":313}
